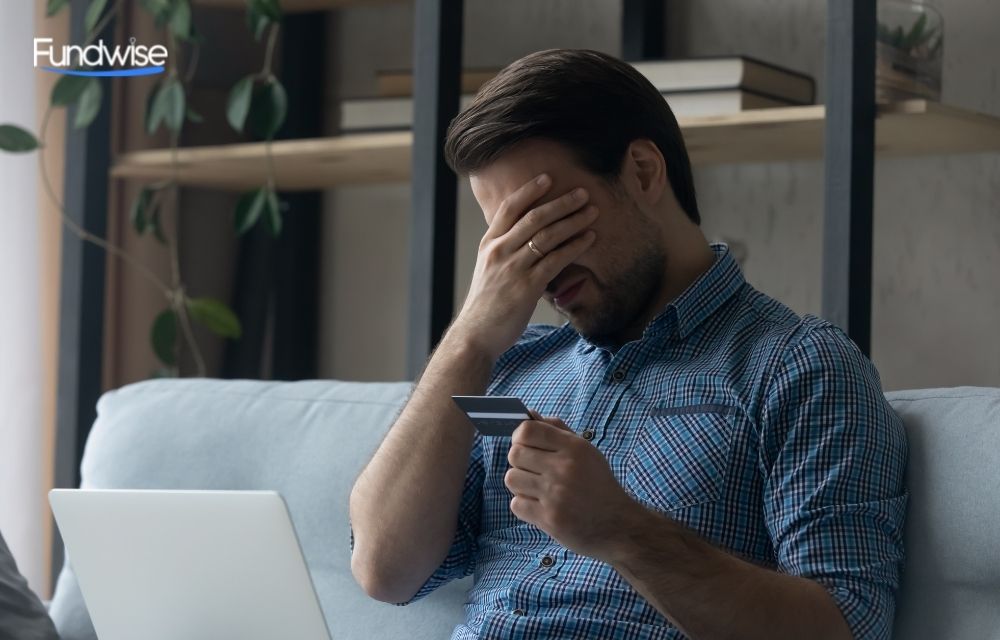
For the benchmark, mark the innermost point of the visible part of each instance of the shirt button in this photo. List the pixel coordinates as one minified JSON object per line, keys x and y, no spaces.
{"x":547,"y":561}
{"x":518,"y":612}
{"x":588,"y":435}
{"x":618,"y":375}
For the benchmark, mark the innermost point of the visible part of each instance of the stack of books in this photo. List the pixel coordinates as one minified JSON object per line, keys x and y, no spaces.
{"x":695,"y":87}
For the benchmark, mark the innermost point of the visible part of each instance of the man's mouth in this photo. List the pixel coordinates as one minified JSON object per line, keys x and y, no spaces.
{"x":565,"y":294}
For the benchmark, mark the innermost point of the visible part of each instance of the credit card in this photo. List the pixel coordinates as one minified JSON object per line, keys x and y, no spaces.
{"x":493,"y":415}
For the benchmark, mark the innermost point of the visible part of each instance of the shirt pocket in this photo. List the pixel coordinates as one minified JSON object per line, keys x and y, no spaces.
{"x":680,"y":456}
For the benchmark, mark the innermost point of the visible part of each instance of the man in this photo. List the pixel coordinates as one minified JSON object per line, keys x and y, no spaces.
{"x":22,"y":616}
{"x":714,"y":466}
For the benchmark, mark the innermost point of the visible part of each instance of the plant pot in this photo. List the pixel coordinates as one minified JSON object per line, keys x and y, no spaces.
{"x":908,"y":52}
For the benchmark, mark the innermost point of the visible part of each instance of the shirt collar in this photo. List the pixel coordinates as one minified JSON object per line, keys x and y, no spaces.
{"x":702,"y":297}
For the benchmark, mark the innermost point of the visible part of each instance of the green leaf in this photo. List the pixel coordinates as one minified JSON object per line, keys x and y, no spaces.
{"x":89,"y":105}
{"x":163,"y":335}
{"x":915,"y":36}
{"x":216,"y":316}
{"x":156,"y":222}
{"x":93,"y":15}
{"x":257,"y":22}
{"x":168,"y":107}
{"x":194,"y":116}
{"x":261,"y":14}
{"x":176,"y":105}
{"x":270,"y":106}
{"x":54,"y":6}
{"x":68,"y":90}
{"x":180,"y":19}
{"x":238,"y":105}
{"x":16,"y":140}
{"x":140,"y":208}
{"x":273,"y":219}
{"x":249,"y":209}
{"x":267,"y":8}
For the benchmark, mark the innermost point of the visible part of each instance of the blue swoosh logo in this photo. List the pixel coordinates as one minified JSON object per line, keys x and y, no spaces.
{"x":141,"y":71}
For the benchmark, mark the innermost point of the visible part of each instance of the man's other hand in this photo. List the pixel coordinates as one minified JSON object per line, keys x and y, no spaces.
{"x":564,"y":485}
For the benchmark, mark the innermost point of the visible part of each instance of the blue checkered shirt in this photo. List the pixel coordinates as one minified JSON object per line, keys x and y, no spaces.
{"x":764,"y":432}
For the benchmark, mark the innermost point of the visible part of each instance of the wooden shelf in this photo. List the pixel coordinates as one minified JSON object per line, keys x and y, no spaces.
{"x":298,"y":164}
{"x":294,"y":6}
{"x":911,"y":128}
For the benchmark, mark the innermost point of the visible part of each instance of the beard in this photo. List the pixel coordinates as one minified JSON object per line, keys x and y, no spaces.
{"x":625,"y":297}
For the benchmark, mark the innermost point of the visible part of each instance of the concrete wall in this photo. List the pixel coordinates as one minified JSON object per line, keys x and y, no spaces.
{"x":937,"y":229}
{"x":937,"y":219}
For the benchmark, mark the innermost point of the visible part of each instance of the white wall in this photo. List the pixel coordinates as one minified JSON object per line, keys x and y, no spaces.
{"x":22,"y":506}
{"x":937,"y":228}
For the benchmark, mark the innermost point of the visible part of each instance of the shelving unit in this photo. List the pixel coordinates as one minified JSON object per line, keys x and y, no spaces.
{"x":846,"y":134}
{"x":915,"y":127}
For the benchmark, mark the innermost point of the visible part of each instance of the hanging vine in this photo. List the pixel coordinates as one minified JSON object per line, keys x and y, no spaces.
{"x":258,"y":100}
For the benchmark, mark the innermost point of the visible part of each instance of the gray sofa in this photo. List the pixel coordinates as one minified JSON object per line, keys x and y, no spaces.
{"x":309,"y":440}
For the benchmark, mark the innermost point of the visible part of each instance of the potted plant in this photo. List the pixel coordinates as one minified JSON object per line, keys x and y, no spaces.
{"x":909,"y":45}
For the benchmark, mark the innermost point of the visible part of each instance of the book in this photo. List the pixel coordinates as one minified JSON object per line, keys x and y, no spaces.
{"x":738,"y":72}
{"x":395,"y":114}
{"x":687,"y":104}
{"x":668,"y":76}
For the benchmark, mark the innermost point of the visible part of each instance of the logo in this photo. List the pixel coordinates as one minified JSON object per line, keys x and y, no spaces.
{"x":132,"y":60}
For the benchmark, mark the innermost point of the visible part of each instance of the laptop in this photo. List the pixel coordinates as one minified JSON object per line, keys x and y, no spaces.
{"x":197,"y":565}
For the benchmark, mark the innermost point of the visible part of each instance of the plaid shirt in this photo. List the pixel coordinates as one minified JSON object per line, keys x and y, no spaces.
{"x":764,"y":432}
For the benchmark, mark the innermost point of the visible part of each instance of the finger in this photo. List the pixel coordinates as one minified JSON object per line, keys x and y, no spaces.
{"x":543,"y":271}
{"x":523,"y":483}
{"x":539,"y":435}
{"x":514,"y":205}
{"x":558,"y":232}
{"x":526,"y":509}
{"x":542,"y":216}
{"x":529,"y":459}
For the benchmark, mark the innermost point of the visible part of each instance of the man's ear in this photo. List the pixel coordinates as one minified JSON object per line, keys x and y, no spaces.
{"x":645,"y":170}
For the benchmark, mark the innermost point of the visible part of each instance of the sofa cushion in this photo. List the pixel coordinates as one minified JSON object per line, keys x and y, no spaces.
{"x":951,"y":581}
{"x":306,"y":440}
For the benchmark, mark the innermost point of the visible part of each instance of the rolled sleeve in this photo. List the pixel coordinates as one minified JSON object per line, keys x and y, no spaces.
{"x":834,"y":455}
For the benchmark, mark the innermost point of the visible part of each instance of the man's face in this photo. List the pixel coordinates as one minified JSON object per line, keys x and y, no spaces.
{"x":606,"y":293}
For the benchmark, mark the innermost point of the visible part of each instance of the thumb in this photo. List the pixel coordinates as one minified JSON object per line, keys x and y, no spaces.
{"x":552,"y":420}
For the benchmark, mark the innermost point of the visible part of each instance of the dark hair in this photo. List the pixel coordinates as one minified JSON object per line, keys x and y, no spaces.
{"x":592,"y":103}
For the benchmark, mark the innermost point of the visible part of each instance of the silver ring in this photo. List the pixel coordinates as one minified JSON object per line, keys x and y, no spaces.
{"x":534,"y":249}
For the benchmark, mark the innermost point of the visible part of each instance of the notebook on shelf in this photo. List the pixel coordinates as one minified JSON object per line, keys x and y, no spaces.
{"x":668,"y":76}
